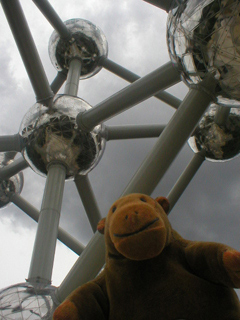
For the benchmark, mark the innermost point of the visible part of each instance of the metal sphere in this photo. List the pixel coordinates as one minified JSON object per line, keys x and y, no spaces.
{"x":52,"y":135}
{"x":91,"y":46}
{"x":12,"y":185}
{"x":204,"y":37}
{"x":24,"y":301}
{"x":220,"y":142}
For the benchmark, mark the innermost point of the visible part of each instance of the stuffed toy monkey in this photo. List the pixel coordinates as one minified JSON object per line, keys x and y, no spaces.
{"x":153,"y":273}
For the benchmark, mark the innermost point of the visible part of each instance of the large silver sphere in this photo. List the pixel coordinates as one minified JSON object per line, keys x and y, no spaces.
{"x":24,"y":301}
{"x":52,"y":135}
{"x":220,"y":142}
{"x":91,"y":47}
{"x":204,"y":37}
{"x":12,"y":185}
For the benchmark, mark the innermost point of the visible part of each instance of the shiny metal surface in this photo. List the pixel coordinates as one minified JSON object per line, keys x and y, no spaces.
{"x":12,"y":185}
{"x":220,"y":142}
{"x":51,"y":135}
{"x":24,"y":301}
{"x":88,"y":43}
{"x":204,"y":38}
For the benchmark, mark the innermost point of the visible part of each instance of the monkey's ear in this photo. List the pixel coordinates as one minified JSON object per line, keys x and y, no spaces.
{"x":164,"y":203}
{"x":101,"y":226}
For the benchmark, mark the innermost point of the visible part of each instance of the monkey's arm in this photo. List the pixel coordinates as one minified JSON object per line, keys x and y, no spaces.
{"x":214,"y":262}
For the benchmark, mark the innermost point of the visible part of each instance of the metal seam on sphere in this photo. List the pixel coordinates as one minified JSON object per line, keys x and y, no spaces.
{"x":131,"y":77}
{"x":27,"y":49}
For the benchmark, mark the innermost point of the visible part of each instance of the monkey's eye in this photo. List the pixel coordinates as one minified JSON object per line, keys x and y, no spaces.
{"x":143,"y":199}
{"x":114,"y":208}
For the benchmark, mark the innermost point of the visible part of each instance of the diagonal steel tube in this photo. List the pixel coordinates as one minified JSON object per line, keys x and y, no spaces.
{"x":133,"y":131}
{"x":11,"y":143}
{"x":45,"y":242}
{"x":140,"y":90}
{"x":88,"y":199}
{"x":32,"y":212}
{"x":173,"y":137}
{"x":185,"y":178}
{"x":131,"y":77}
{"x":58,"y":81}
{"x":53,"y":18}
{"x":170,"y":142}
{"x":162,"y":4}
{"x":13,"y":168}
{"x":28,"y":50}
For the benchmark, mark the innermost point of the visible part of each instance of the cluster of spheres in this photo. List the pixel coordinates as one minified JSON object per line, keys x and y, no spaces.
{"x":203,"y":40}
{"x":51,"y":134}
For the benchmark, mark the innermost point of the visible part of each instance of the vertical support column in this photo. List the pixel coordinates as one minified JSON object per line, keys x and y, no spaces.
{"x":72,"y":82}
{"x":221,"y":115}
{"x":47,"y":231}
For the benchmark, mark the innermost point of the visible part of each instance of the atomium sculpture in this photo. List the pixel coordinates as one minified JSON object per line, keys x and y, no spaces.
{"x":62,"y":137}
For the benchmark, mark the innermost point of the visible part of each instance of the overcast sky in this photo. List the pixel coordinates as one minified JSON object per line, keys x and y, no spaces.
{"x":136,"y":34}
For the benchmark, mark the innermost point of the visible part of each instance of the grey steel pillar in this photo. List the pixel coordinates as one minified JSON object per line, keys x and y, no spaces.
{"x":132,"y":77}
{"x":173,"y":137}
{"x":185,"y":178}
{"x":11,"y":143}
{"x":46,"y":237}
{"x":13,"y":168}
{"x":140,"y":90}
{"x":170,"y":142}
{"x":88,"y":199}
{"x":32,"y":212}
{"x":221,"y":115}
{"x":28,"y":50}
{"x":162,"y":4}
{"x":72,"y":82}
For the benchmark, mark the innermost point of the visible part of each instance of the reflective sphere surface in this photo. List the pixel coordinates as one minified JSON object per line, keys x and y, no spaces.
{"x":24,"y":301}
{"x":220,"y":142}
{"x":12,"y":185}
{"x":204,"y":37}
{"x":91,"y":46}
{"x":52,"y":135}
